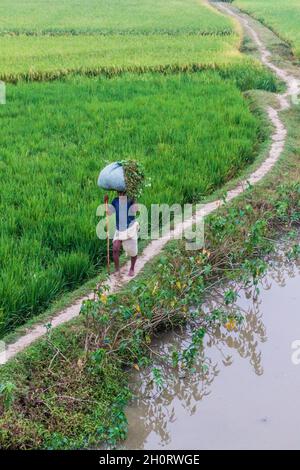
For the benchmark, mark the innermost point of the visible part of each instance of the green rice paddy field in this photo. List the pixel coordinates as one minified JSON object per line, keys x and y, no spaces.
{"x":32,"y":58}
{"x":42,"y":40}
{"x":193,"y":131}
{"x":108,"y":16}
{"x":281,"y":16}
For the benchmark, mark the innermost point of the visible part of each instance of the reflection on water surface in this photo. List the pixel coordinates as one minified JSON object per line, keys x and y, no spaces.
{"x":249,"y":395}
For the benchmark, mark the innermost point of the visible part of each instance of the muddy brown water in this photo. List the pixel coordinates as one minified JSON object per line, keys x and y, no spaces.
{"x":249,"y":398}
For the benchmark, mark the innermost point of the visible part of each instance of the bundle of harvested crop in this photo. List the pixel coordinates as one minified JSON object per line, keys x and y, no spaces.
{"x":134,"y":178}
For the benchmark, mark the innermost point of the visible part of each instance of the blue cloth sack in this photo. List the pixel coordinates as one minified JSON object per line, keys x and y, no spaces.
{"x":112,"y":177}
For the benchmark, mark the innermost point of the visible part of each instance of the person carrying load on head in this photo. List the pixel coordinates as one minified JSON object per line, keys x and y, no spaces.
{"x":127,"y":178}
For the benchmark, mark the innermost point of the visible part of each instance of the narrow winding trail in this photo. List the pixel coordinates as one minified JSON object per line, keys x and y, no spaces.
{"x":278,"y":142}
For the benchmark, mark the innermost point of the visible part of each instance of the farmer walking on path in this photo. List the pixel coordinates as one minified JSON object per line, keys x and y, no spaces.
{"x":127,"y":227}
{"x":128,"y":179}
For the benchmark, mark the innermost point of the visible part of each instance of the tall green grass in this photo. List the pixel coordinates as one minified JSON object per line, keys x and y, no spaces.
{"x":49,"y":57}
{"x":44,"y":41}
{"x":111,"y":16}
{"x":281,"y":16}
{"x":192,"y":133}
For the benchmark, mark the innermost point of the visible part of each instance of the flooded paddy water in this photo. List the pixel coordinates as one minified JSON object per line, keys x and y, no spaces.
{"x":249,"y":395}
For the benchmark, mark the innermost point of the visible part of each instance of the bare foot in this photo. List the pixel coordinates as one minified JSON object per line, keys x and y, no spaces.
{"x":131,"y":273}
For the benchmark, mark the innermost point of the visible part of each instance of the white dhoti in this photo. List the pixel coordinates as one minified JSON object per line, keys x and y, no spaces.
{"x":129,"y":239}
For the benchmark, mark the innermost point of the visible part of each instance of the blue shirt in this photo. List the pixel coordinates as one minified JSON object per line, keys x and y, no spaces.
{"x":122,"y":208}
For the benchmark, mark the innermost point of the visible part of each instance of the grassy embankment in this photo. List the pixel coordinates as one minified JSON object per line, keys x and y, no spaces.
{"x":282,"y":17}
{"x":56,"y":136}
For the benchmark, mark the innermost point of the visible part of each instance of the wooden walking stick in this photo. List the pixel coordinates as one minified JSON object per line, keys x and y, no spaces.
{"x":107,"y":232}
